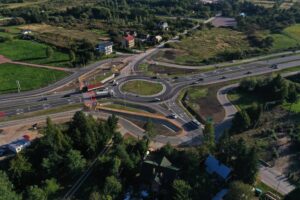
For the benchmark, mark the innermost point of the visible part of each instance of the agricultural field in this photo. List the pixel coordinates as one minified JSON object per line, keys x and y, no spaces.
{"x":204,"y":45}
{"x":29,"y":78}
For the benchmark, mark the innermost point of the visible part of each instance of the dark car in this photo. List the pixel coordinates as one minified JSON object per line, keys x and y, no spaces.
{"x":201,"y":79}
{"x":66,"y":95}
{"x":248,"y":72}
{"x":44,"y":99}
{"x":274,"y":66}
{"x":223,"y":77}
{"x":154,"y":77}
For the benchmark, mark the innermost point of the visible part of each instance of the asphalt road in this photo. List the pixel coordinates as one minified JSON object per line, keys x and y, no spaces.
{"x":29,"y":103}
{"x":58,"y":84}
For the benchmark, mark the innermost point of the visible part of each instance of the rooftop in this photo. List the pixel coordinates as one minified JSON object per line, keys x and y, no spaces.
{"x":107,"y":43}
{"x":129,"y":37}
{"x":214,"y":166}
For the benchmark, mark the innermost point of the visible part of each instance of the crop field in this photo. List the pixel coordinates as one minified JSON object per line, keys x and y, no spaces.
{"x":203,"y":45}
{"x":29,"y":78}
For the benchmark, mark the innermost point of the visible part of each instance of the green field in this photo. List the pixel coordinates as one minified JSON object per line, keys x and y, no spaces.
{"x":141,"y":87}
{"x":32,"y":52}
{"x":203,"y":45}
{"x":30,"y":78}
{"x":288,"y":39}
{"x":243,"y":100}
{"x":195,"y":93}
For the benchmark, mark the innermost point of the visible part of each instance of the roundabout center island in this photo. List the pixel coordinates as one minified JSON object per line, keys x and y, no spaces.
{"x":142,"y":87}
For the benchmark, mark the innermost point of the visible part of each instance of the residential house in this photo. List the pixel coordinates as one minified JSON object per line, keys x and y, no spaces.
{"x":158,"y":172}
{"x":213,"y":166}
{"x":26,"y":32}
{"x":105,"y":48}
{"x":133,"y":33}
{"x":154,"y":39}
{"x":209,"y":1}
{"x":163,"y":26}
{"x":128,"y":41}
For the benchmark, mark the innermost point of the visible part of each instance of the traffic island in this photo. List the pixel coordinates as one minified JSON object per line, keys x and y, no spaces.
{"x":142,"y":87}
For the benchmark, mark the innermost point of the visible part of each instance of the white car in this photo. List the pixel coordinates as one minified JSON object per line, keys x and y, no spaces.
{"x":174,"y":116}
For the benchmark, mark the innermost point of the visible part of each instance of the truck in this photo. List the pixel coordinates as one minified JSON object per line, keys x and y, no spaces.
{"x":104,"y":93}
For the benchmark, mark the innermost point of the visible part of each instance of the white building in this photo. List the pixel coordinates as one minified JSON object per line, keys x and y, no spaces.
{"x":163,"y":26}
{"x":105,"y":47}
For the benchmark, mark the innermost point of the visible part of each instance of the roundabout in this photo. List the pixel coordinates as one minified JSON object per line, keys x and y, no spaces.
{"x":145,"y":88}
{"x":142,"y":89}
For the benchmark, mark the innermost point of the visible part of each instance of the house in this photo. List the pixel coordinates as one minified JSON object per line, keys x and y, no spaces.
{"x":209,"y":1}
{"x":133,"y":33}
{"x":128,"y":41}
{"x":26,"y":32}
{"x":19,"y":144}
{"x":158,"y":172}
{"x":154,"y":39}
{"x":213,"y":166}
{"x":105,"y":48}
{"x":163,"y":26}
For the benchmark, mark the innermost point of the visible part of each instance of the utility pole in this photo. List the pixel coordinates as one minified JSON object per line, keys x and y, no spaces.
{"x":19,"y":86}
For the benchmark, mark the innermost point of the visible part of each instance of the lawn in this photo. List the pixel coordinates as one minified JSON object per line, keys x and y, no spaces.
{"x":203,"y":45}
{"x":243,"y":100}
{"x":194,"y":93}
{"x":32,"y":52}
{"x":141,"y":87}
{"x":288,"y":39}
{"x":30,"y":78}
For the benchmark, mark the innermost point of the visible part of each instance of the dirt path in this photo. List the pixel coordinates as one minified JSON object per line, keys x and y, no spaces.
{"x":3,"y":60}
